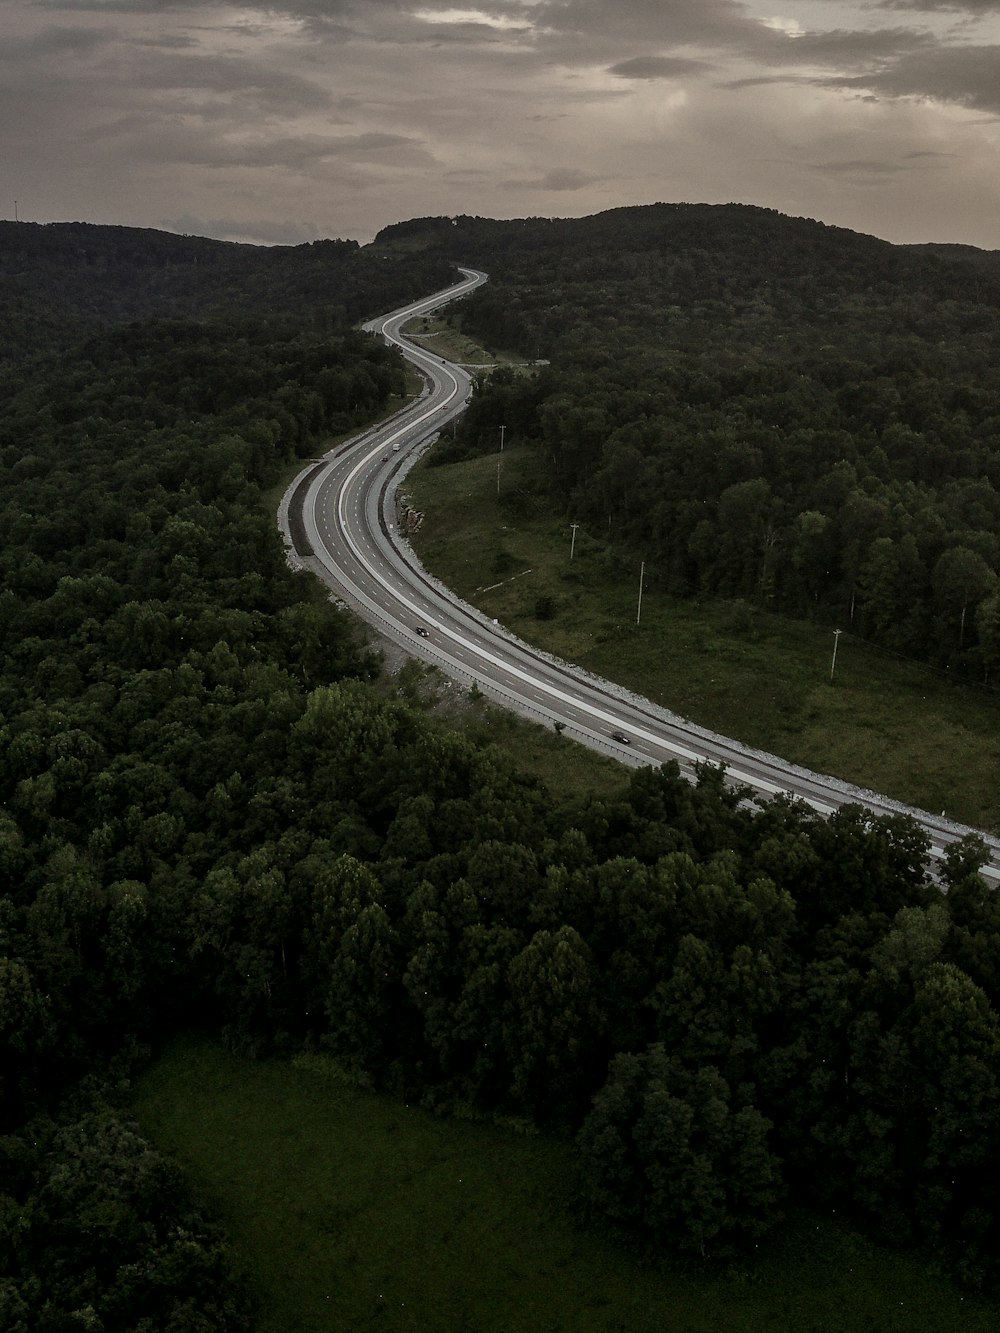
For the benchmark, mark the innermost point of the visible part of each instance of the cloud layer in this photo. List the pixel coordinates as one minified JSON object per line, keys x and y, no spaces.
{"x":288,"y":119}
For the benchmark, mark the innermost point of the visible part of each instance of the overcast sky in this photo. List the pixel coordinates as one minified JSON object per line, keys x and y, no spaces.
{"x":297,"y":119}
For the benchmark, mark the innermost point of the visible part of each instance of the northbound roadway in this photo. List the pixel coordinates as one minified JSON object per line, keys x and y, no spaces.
{"x":339,"y":519}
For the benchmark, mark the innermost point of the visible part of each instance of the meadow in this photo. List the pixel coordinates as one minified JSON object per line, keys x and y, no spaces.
{"x":354,"y":1211}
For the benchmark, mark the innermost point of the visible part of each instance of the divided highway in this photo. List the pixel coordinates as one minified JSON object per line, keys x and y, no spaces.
{"x":339,"y":520}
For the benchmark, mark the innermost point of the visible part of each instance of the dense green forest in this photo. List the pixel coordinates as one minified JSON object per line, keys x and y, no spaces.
{"x":60,"y":281}
{"x":763,"y":407}
{"x":211,"y":818}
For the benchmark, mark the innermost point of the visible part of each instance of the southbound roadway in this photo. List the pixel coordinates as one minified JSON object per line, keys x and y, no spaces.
{"x":339,"y":518}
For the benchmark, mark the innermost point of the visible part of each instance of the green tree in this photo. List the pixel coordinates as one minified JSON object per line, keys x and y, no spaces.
{"x":26,"y":1035}
{"x":675,"y":1154}
{"x":988,"y":634}
{"x":961,"y":579}
{"x":363,"y":993}
{"x":552,"y":1023}
{"x":106,"y":1237}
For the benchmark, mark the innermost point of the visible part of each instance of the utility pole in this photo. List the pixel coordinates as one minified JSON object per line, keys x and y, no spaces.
{"x":833,"y":665}
{"x":572,"y":544}
{"x":502,"y":432}
{"x":638,"y":609}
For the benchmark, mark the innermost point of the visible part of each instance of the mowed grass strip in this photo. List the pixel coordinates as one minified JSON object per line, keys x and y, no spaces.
{"x":888,"y":725}
{"x":351,"y":1211}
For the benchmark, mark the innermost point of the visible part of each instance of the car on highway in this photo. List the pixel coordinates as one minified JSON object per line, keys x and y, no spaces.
{"x":621,"y":738}
{"x":421,"y":631}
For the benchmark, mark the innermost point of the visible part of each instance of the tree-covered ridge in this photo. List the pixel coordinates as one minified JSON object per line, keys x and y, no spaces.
{"x":684,"y":276}
{"x":209,"y":816}
{"x":61,"y":280}
{"x":765,"y":408}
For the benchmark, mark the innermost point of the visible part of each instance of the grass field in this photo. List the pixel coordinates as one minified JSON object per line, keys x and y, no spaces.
{"x":354,"y":1212}
{"x":888,"y":725}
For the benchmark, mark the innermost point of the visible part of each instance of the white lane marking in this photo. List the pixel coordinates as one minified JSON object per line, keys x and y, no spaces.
{"x":549,"y":690}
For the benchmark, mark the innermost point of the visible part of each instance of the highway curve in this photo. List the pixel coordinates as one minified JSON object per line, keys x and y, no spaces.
{"x":339,"y":520}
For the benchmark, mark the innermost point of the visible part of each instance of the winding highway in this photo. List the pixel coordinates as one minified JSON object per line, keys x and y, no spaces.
{"x":339,"y":520}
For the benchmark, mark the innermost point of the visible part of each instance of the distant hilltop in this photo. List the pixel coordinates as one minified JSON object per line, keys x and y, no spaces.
{"x":62,"y":279}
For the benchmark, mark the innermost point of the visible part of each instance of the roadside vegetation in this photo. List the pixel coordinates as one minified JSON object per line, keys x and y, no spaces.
{"x":568,"y":773}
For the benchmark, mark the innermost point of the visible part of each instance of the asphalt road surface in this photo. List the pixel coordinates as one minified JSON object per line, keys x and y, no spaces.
{"x":339,"y":518}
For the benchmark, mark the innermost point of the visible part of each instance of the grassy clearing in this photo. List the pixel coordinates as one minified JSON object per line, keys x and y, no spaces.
{"x":352,"y":1211}
{"x":892,"y":726}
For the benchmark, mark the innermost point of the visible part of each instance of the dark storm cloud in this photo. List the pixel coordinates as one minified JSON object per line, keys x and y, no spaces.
{"x":967,"y":76}
{"x":291,"y":152}
{"x":850,"y":47}
{"x":55,"y":42}
{"x":579,"y":32}
{"x":238,"y":82}
{"x":155,"y":65}
{"x":657,"y":67}
{"x":559,"y":179}
{"x":974,"y":8}
{"x":677,"y":22}
{"x":888,"y":64}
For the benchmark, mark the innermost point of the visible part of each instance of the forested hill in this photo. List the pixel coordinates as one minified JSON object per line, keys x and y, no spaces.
{"x":762,"y":407}
{"x":987,"y":260}
{"x":725,"y":275}
{"x":62,"y":280}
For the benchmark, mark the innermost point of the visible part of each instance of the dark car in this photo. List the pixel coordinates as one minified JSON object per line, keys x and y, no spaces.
{"x":621,"y":738}
{"x":421,"y":631}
